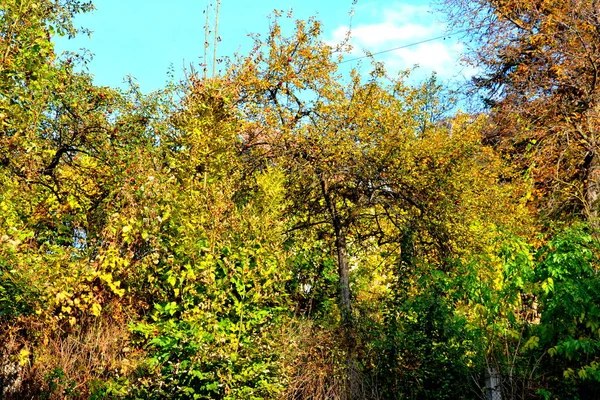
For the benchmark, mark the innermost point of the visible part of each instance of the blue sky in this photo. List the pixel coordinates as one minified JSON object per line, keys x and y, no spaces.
{"x":143,"y":38}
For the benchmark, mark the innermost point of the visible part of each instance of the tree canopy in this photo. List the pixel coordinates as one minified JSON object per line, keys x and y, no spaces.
{"x":286,"y":230}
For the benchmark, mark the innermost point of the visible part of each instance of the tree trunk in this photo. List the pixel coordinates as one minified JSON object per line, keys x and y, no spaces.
{"x":592,"y":191}
{"x":344,"y":275}
{"x":342,"y":257}
{"x":345,"y":302}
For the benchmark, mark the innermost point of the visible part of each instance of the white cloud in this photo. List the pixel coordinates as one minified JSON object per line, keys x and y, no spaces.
{"x":378,"y":35}
{"x":400,"y":28}
{"x":432,"y":55}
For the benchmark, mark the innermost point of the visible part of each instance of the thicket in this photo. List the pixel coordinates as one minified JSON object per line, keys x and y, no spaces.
{"x":283,"y":231}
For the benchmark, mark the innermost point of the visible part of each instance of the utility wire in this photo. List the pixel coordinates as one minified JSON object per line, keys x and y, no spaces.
{"x":412,"y":44}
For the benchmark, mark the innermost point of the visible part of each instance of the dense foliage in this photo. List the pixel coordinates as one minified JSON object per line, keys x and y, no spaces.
{"x":285,"y":231}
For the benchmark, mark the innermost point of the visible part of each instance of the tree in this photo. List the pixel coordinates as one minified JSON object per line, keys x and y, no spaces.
{"x":28,"y":68}
{"x":151,"y":246}
{"x":203,"y":245}
{"x":355,"y":153}
{"x":371,"y":168}
{"x":538,"y":63}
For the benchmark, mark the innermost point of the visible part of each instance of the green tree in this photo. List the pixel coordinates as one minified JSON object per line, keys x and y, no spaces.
{"x":567,"y":291}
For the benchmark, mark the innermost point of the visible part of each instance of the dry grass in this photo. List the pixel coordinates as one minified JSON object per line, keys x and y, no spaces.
{"x":63,"y":364}
{"x":319,"y":367}
{"x":71,"y":362}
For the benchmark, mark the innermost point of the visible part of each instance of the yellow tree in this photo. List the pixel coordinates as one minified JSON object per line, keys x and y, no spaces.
{"x":538,"y":63}
{"x":343,"y":142}
{"x":368,"y":167}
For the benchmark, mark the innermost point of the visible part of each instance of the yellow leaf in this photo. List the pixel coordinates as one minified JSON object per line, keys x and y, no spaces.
{"x":96,"y":309}
{"x":24,"y":357}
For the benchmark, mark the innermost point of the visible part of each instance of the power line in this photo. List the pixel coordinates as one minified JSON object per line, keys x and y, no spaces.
{"x":411,"y":44}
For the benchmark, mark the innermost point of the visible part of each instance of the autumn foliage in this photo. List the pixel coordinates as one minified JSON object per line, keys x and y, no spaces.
{"x":285,"y":230}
